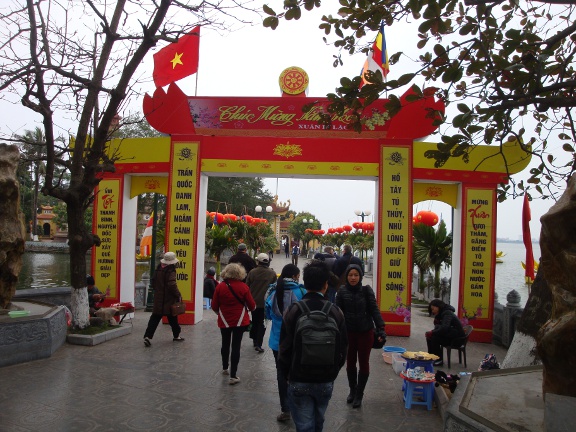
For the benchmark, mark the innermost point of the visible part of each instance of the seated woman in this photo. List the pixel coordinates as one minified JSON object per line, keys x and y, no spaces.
{"x":95,"y":296}
{"x":447,"y":327}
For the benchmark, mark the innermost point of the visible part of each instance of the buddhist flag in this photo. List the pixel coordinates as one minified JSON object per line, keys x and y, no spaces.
{"x":177,"y":60}
{"x":527,"y":238}
{"x":146,"y":242}
{"x":377,"y":57}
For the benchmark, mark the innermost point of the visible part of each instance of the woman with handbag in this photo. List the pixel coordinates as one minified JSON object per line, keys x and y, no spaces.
{"x":231,"y":301}
{"x":166,"y":294}
{"x":364,"y":324}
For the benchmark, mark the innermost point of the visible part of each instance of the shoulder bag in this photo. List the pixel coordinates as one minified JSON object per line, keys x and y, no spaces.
{"x":178,"y":308}
{"x":376,"y":344}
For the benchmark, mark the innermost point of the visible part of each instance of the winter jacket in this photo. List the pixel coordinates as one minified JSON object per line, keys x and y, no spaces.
{"x":209,"y":286}
{"x":358,"y":303}
{"x":231,"y":312}
{"x":244,"y":260}
{"x":447,"y":324}
{"x":342,"y":263}
{"x":166,"y":291}
{"x":259,"y":281}
{"x":293,"y":292}
{"x":314,"y":301}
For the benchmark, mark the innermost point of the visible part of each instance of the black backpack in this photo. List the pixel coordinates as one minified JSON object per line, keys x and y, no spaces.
{"x":316,"y":342}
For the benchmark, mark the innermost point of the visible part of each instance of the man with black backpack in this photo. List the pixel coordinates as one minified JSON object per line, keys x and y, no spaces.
{"x":313,"y":346}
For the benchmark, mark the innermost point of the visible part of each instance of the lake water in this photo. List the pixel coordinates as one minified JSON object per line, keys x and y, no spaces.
{"x":46,"y":270}
{"x":510,"y":274}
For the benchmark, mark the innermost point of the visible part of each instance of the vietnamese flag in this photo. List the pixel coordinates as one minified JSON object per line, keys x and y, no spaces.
{"x":527,"y":238}
{"x":177,"y":60}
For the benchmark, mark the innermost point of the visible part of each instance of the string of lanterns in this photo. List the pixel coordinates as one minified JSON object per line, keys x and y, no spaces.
{"x":226,"y":218}
{"x":425,"y":217}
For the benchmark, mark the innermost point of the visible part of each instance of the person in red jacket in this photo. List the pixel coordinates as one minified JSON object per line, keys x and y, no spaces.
{"x":232,"y":301}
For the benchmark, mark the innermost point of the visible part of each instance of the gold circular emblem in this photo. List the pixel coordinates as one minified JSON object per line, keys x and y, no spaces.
{"x":293,"y":80}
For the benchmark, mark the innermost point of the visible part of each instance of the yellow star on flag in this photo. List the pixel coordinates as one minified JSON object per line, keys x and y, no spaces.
{"x":177,"y":60}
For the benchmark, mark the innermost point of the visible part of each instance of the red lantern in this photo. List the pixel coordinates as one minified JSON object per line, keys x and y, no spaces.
{"x":321,"y":232}
{"x":347,"y":228}
{"x":331,"y":230}
{"x":316,"y":232}
{"x":339,"y":230}
{"x":356,"y":225}
{"x":427,"y":217}
{"x":248,"y":219}
{"x":220,"y":218}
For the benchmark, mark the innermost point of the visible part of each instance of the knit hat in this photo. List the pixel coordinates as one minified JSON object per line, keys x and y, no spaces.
{"x":169,"y":258}
{"x":357,"y":268}
{"x":242,"y":246}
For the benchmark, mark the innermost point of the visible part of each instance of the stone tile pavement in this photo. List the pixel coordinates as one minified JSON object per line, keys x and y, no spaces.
{"x":123,"y":386}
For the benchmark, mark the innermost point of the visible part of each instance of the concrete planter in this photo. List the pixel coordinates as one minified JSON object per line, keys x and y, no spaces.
{"x":91,"y":340}
{"x":32,"y":337}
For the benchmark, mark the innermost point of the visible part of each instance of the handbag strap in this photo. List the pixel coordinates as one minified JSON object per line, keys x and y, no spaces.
{"x":234,"y":294}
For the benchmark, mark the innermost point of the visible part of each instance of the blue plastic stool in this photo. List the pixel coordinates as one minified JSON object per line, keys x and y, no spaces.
{"x":207,"y":303}
{"x":418,"y":389}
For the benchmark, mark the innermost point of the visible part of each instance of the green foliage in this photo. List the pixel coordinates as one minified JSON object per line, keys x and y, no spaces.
{"x":298,"y":227}
{"x":135,"y":126}
{"x":501,"y":65}
{"x":236,"y":195}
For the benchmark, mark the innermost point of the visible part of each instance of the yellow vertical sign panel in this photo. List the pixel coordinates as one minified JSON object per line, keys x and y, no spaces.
{"x":181,"y":226}
{"x":478,"y":233}
{"x":395,"y":228}
{"x":106,"y":257}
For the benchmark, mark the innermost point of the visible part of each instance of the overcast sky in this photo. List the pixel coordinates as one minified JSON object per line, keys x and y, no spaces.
{"x":248,"y":62}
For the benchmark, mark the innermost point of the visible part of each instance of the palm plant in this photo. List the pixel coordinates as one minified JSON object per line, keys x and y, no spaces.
{"x":432,"y":249}
{"x":218,"y":239}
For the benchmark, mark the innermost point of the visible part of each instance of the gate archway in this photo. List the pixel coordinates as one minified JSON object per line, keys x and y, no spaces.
{"x":272,"y":137}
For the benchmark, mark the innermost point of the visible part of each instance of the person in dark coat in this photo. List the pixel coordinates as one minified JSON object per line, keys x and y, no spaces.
{"x":287,"y":249}
{"x":166,"y":293}
{"x":344,"y":261}
{"x":307,"y":397}
{"x":241,"y":257}
{"x":209,"y":283}
{"x":363,"y":318}
{"x":447,"y":327}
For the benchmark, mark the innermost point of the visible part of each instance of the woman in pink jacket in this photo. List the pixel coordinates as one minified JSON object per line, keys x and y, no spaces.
{"x":232,"y":301}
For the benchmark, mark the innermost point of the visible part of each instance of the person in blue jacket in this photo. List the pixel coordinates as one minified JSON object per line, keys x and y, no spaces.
{"x":280,"y":296}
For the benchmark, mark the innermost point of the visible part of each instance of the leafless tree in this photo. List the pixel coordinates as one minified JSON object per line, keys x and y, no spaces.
{"x":65,"y":59}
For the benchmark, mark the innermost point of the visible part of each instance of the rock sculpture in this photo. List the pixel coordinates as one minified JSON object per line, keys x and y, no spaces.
{"x":556,"y":340}
{"x":12,"y":232}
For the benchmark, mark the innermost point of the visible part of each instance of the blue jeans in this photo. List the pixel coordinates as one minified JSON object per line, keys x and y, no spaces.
{"x":308,"y":403}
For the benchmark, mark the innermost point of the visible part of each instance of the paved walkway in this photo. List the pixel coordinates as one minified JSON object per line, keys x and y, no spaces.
{"x":122,"y":386}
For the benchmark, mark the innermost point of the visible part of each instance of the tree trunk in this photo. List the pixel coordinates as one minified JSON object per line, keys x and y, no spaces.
{"x":80,"y":241}
{"x":12,"y":232}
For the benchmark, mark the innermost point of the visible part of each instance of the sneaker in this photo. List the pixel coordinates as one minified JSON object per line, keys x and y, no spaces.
{"x":234,"y":380}
{"x":225,"y":372}
{"x":283,"y":416}
{"x":147,"y":342}
{"x":178,"y":339}
{"x":438,"y":363}
{"x":259,"y":349}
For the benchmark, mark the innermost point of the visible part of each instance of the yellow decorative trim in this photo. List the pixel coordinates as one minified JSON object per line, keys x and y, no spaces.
{"x":279,"y":168}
